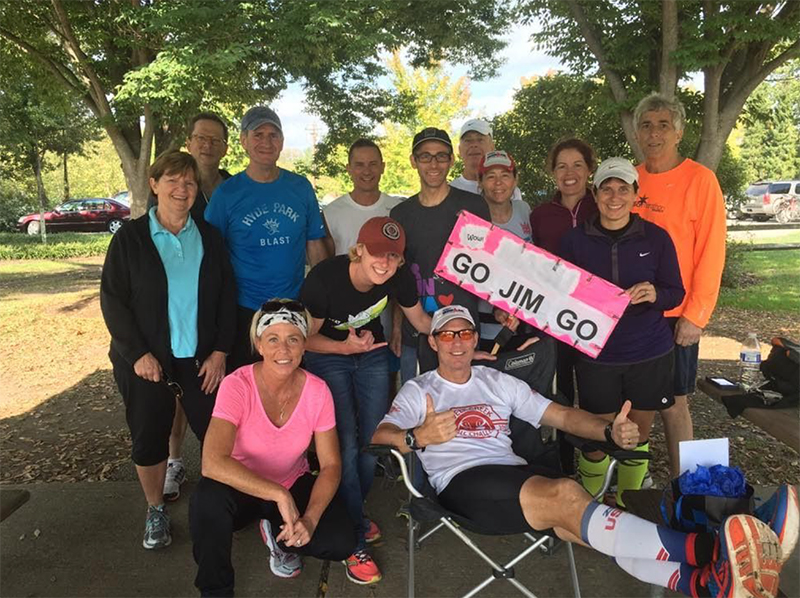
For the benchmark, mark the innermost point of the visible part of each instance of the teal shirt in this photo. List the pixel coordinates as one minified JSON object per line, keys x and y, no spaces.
{"x":181,"y":256}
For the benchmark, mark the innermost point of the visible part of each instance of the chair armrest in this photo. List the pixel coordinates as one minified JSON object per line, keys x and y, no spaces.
{"x":379,"y":450}
{"x":612,"y":450}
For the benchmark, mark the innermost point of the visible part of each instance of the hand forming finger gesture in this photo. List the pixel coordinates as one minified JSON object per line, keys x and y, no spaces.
{"x":625,"y":432}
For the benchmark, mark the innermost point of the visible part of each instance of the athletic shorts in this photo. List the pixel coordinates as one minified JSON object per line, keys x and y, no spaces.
{"x":488,"y":495}
{"x":685,"y":365}
{"x":603,"y":387}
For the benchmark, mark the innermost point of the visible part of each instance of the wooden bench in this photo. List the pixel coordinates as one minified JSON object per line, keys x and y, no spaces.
{"x":783,"y":424}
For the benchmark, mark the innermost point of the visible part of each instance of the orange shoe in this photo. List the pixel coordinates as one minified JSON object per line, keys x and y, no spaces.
{"x":373,"y":533}
{"x":361,"y":569}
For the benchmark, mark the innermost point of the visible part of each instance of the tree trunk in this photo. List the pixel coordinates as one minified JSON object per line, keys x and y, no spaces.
{"x":37,"y":171}
{"x":66,"y":177}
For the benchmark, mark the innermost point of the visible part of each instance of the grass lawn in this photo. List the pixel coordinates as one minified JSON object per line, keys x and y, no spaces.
{"x":19,"y":246}
{"x":777,"y":287}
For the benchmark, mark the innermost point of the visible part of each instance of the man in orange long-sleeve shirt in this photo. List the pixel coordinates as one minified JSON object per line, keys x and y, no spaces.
{"x":685,"y":198}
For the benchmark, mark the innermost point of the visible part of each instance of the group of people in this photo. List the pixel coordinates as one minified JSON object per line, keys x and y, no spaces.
{"x":214,"y":321}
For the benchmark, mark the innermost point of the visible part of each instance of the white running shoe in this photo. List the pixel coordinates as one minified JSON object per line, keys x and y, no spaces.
{"x":281,"y":563}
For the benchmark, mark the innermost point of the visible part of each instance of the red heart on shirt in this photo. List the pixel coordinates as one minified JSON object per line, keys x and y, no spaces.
{"x":445,"y":299}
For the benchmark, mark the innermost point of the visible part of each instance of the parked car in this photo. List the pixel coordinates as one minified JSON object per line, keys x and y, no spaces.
{"x":773,"y":198}
{"x":123,"y":197}
{"x":93,"y":214}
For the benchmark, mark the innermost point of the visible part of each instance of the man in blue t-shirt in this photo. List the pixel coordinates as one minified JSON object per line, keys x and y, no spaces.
{"x":271,"y":222}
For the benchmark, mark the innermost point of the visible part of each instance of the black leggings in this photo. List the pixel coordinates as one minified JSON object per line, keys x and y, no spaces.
{"x":216,"y":510}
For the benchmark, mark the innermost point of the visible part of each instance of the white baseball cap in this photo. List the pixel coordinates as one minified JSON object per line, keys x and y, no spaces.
{"x":616,"y":168}
{"x":476,"y":124}
{"x":451,"y":312}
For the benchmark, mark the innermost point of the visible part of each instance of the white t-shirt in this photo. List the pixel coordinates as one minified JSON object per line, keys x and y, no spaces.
{"x":520,"y":225}
{"x":482,"y":406}
{"x":472,"y":187}
{"x":345,"y":218}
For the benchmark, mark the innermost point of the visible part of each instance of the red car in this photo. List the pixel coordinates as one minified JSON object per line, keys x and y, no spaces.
{"x":81,"y":215}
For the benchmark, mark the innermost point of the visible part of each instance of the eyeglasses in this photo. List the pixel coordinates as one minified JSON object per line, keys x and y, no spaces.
{"x":425,"y":157}
{"x":173,"y":386}
{"x":213,"y":141}
{"x":449,"y":336}
{"x":274,"y":305}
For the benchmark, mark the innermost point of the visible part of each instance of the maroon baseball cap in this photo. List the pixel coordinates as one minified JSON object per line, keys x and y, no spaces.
{"x":499,"y":159}
{"x":381,"y":235}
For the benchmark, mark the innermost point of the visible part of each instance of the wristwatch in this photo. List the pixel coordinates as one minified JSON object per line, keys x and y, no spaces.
{"x":411,"y":441}
{"x":609,"y":437}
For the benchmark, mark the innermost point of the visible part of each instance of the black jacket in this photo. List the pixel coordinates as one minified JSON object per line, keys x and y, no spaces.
{"x":133,"y":296}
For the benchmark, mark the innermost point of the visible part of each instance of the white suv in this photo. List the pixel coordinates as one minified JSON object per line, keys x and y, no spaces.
{"x":773,"y":198}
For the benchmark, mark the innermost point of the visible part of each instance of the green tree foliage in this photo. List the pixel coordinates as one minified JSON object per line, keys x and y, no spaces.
{"x":640,"y":45}
{"x":547,"y":109}
{"x":143,"y":67}
{"x":771,"y":136}
{"x":36,"y":119}
{"x":557,"y":105}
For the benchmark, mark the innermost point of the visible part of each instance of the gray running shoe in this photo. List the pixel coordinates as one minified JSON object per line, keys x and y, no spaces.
{"x":176,"y":475}
{"x":156,"y":528}
{"x":281,"y":563}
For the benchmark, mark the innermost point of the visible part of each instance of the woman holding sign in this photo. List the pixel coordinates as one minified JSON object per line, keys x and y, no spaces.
{"x":636,"y":361}
{"x":345,"y":296}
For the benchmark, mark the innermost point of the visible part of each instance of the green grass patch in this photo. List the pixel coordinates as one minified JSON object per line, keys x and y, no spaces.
{"x":775,"y":288}
{"x":18,"y":246}
{"x":785,"y":238}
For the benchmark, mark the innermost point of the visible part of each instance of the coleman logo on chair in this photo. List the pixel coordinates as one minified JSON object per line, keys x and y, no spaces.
{"x":565,"y":301}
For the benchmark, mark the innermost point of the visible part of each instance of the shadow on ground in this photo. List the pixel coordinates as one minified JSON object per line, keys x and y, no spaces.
{"x":81,"y":276}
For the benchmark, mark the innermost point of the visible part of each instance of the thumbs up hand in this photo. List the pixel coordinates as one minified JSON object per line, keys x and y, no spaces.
{"x":625,"y":432}
{"x":437,"y":427}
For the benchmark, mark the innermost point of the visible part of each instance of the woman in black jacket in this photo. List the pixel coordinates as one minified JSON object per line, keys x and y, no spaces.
{"x":168,"y":299}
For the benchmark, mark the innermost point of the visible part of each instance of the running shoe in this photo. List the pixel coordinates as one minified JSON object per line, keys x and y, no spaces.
{"x":361,"y":569}
{"x":373,"y":533}
{"x":782,"y":513}
{"x":157,"y":528}
{"x":176,"y":475}
{"x":746,"y":560}
{"x":281,"y":563}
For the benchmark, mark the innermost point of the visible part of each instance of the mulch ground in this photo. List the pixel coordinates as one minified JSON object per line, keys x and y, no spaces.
{"x":72,"y":428}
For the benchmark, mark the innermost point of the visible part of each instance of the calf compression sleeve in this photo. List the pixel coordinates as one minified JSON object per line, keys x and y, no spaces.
{"x":630,"y":474}
{"x":592,"y":473}
{"x":678,"y":577}
{"x":619,"y":534}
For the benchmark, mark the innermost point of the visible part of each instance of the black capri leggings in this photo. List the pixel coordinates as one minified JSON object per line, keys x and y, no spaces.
{"x":216,"y":510}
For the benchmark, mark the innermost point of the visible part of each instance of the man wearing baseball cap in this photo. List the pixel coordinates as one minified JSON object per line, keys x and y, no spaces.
{"x":345,"y":296}
{"x":475,"y":141}
{"x":428,"y":219}
{"x":271,"y":223}
{"x":456,"y":420}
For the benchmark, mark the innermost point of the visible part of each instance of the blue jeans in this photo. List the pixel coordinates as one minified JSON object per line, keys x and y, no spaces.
{"x":360,"y":388}
{"x":408,"y":363}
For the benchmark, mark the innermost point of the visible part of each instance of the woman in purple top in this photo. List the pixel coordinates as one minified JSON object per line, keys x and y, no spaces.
{"x":637,"y":359}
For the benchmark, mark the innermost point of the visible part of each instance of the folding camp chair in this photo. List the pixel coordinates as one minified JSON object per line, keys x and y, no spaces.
{"x":527,"y":442}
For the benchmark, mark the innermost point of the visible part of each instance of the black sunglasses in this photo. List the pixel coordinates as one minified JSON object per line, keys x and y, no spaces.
{"x":173,"y":386}
{"x":274,"y":305}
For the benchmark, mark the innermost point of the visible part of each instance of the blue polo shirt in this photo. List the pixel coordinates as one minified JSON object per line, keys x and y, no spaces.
{"x":181,"y":256}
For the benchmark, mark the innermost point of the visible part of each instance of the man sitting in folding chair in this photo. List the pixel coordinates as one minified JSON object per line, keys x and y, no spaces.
{"x":456,"y":419}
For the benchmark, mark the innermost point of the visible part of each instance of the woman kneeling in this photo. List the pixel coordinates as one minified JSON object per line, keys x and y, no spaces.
{"x":254,"y":460}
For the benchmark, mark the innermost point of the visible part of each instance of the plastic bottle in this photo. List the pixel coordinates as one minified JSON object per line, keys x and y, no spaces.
{"x":750,"y":362}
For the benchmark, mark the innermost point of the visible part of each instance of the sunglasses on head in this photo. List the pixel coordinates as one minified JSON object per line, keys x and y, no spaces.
{"x":274,"y":305}
{"x":467,"y":334}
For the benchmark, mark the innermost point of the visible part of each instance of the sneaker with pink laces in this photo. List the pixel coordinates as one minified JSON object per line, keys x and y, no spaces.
{"x":361,"y":569}
{"x":373,"y":533}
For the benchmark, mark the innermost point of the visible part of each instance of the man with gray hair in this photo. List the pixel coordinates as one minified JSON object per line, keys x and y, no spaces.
{"x":271,"y":222}
{"x":685,"y":198}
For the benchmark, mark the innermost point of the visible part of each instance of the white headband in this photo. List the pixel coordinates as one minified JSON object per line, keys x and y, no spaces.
{"x":282,"y":316}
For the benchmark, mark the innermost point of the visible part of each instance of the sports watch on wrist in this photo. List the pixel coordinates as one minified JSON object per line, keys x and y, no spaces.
{"x":609,"y":437}
{"x":411,"y":441}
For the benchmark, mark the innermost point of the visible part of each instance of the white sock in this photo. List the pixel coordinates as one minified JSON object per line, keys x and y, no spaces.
{"x":675,"y":576}
{"x":170,"y":461}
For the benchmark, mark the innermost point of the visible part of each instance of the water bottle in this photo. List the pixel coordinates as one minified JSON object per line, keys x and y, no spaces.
{"x":750,"y":362}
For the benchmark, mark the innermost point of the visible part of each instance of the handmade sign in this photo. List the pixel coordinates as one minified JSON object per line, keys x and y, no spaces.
{"x":561,"y":299}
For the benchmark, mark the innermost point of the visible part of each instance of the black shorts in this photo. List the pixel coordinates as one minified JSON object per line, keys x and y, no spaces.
{"x":489,"y":495}
{"x":150,"y":408}
{"x":603,"y":388}
{"x":685,"y":365}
